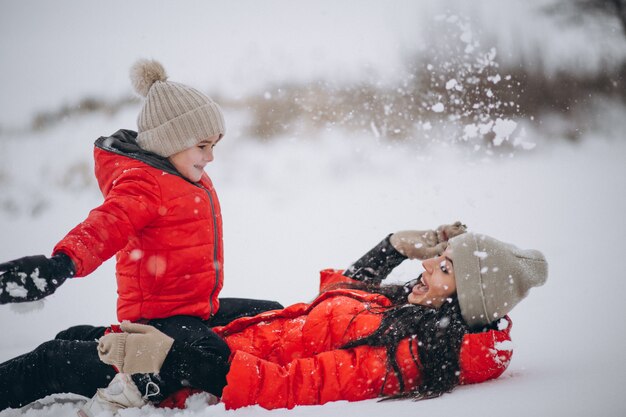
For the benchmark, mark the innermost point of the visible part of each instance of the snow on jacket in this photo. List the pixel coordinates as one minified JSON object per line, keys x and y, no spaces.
{"x":290,"y":357}
{"x":165,"y":231}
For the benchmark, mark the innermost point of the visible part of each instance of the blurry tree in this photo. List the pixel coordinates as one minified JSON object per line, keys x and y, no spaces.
{"x":607,"y":8}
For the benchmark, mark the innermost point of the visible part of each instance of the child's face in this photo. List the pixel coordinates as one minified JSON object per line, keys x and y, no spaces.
{"x":191,"y":162}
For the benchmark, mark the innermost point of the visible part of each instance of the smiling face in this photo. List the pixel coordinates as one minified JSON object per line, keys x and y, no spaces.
{"x":190,"y":163}
{"x":437,"y":282}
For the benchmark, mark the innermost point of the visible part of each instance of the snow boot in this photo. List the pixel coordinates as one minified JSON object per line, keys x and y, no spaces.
{"x":121,"y":393}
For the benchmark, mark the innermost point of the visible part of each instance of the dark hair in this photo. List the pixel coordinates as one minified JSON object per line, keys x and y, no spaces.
{"x":438,"y":334}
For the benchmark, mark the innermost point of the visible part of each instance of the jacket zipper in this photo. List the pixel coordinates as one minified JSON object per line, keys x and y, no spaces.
{"x":216,"y":263}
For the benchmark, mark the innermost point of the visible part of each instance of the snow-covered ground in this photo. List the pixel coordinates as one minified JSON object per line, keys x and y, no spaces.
{"x":295,"y":205}
{"x":292,"y":207}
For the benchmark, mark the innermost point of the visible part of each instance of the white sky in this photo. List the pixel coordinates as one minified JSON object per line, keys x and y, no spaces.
{"x":53,"y":53}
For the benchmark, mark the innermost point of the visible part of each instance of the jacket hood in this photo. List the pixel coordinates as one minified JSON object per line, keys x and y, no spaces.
{"x":116,"y":153}
{"x":124,"y":142}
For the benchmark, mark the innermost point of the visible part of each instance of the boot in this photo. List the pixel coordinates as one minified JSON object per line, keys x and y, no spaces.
{"x":121,"y":393}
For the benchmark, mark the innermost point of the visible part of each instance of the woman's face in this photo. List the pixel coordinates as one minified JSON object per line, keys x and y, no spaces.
{"x":437,"y":283}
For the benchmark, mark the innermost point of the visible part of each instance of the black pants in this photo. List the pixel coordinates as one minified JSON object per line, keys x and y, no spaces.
{"x":230,"y":309}
{"x":70,"y":362}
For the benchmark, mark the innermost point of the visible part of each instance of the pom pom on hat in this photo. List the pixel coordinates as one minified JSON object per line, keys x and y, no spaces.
{"x":144,"y":73}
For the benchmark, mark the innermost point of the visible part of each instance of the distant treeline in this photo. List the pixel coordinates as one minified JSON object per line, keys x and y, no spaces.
{"x":394,"y":111}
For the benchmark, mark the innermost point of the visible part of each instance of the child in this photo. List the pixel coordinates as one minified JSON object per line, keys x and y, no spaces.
{"x":160,"y":216}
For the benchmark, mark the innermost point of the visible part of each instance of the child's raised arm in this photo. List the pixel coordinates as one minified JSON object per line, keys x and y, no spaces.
{"x":33,"y":277}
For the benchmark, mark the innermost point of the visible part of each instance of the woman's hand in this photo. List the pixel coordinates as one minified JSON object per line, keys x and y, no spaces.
{"x":425,"y":244}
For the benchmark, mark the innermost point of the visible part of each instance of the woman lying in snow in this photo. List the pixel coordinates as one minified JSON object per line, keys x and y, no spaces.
{"x":357,"y":340}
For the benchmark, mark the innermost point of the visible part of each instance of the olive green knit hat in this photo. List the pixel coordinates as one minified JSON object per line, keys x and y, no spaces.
{"x":493,"y":276}
{"x":174,"y":117}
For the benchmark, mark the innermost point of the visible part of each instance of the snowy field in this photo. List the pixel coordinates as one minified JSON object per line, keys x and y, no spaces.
{"x":297,"y":204}
{"x":294,"y":207}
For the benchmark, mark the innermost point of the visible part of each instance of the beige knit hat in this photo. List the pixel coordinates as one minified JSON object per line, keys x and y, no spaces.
{"x":174,"y":117}
{"x":493,"y":276}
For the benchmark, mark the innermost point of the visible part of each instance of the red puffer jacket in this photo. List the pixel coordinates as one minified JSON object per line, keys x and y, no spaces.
{"x":165,"y":230}
{"x":291,"y":357}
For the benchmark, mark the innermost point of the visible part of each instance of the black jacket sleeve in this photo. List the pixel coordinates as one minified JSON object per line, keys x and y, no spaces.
{"x":377,"y":264}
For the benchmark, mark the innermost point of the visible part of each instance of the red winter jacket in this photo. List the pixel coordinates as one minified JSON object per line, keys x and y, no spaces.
{"x":165,"y":231}
{"x":291,"y":357}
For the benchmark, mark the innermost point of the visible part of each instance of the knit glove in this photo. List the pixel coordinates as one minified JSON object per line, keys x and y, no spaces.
{"x":416,"y":244}
{"x":140,"y":349}
{"x":33,"y":277}
{"x":425,"y":244}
